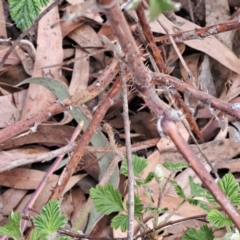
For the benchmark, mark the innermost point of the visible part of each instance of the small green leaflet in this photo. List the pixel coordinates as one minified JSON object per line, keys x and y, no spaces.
{"x":196,"y":189}
{"x":217,"y":219}
{"x":175,"y":167}
{"x":121,"y":221}
{"x":64,"y":238}
{"x":12,"y":228}
{"x":178,"y":189}
{"x":36,"y":235}
{"x":159,"y":6}
{"x":156,"y":210}
{"x":138,"y":207}
{"x":106,"y":199}
{"x":139,"y":164}
{"x":230,"y":187}
{"x":24,"y":12}
{"x":205,"y":233}
{"x":200,"y":203}
{"x":50,"y":218}
{"x":149,"y":177}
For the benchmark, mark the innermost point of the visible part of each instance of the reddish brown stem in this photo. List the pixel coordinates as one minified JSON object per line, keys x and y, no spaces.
{"x":176,"y":98}
{"x":170,"y":128}
{"x":148,"y":35}
{"x":144,"y":84}
{"x":201,"y":96}
{"x":84,"y":141}
{"x":74,"y":101}
{"x":199,"y":33}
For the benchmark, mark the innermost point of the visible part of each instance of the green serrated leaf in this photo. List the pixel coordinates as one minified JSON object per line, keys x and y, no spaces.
{"x":12,"y":228}
{"x":217,"y":219}
{"x":38,"y":235}
{"x":139,"y":164}
{"x":175,"y":167}
{"x":231,"y":188}
{"x":24,"y":12}
{"x":178,"y":189}
{"x":98,"y":140}
{"x":106,"y":199}
{"x":211,"y":199}
{"x":200,"y":203}
{"x":196,"y":189}
{"x":159,"y":6}
{"x":138,"y":207}
{"x":156,"y":210}
{"x":139,"y":182}
{"x":205,"y":233}
{"x":120,"y":221}
{"x":149,"y":177}
{"x":50,"y":218}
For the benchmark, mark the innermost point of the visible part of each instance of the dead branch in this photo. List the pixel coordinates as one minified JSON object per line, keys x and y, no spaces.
{"x":84,"y":141}
{"x":200,"y":33}
{"x":144,"y":84}
{"x":71,"y":102}
{"x":209,"y":100}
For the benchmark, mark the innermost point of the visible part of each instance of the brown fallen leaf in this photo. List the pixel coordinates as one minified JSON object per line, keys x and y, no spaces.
{"x":207,"y":45}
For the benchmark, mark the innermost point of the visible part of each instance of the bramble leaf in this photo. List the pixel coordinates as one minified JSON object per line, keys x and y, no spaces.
{"x":106,"y":199}
{"x":178,"y":189}
{"x":230,"y":187}
{"x":156,"y":210}
{"x":175,"y":167}
{"x":205,"y":233}
{"x":196,"y":189}
{"x":50,"y":218}
{"x":139,"y":164}
{"x":120,"y":221}
{"x":36,"y":235}
{"x":200,"y":203}
{"x":149,"y":177}
{"x":218,"y":219}
{"x":138,"y":207}
{"x":12,"y":228}
{"x":24,"y":12}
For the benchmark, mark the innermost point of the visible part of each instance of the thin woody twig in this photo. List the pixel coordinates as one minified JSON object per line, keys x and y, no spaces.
{"x":131,"y":179}
{"x":193,"y":83}
{"x":71,"y":102}
{"x":189,"y":74}
{"x":84,"y":141}
{"x":25,"y":32}
{"x":173,"y":97}
{"x":143,"y":82}
{"x":148,"y":35}
{"x":200,"y":33}
{"x":135,"y":147}
{"x":228,"y":108}
{"x":47,"y":175}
